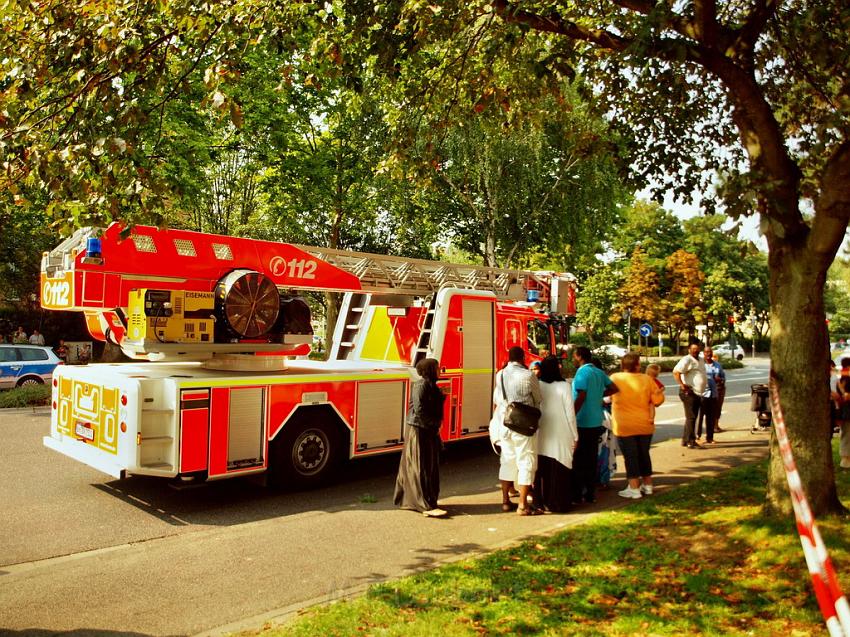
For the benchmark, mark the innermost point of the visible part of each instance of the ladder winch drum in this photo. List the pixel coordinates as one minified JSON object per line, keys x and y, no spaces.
{"x":247,"y":304}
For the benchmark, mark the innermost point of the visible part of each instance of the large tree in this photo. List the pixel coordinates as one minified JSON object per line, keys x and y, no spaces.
{"x":545,"y":188}
{"x":748,"y":96}
{"x":638,"y":296}
{"x":682,"y":306}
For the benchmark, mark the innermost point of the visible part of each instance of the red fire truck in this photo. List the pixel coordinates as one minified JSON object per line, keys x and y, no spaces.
{"x":220,"y":384}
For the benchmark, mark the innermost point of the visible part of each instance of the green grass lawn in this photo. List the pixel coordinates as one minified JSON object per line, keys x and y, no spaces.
{"x":698,"y":560}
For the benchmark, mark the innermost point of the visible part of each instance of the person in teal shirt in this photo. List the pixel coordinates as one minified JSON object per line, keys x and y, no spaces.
{"x":590,"y":385}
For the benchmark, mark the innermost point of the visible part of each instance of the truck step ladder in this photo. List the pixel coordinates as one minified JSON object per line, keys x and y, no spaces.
{"x":348,"y":325}
{"x":424,"y":343}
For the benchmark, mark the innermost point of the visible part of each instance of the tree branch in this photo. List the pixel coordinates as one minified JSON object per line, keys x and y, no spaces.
{"x":759,"y":131}
{"x":669,"y":49}
{"x":749,"y":32}
{"x":833,"y":205}
{"x":763,"y":141}
{"x":554,"y":23}
{"x":706,"y":20}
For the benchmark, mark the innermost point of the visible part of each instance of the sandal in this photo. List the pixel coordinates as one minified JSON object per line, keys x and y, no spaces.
{"x":528,"y":511}
{"x":435,"y":513}
{"x":507,"y":507}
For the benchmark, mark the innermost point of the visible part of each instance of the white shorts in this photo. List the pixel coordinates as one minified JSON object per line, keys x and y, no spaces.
{"x":518,"y":460}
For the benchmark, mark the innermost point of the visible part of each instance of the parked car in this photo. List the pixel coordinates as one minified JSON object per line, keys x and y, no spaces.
{"x":22,"y":365}
{"x":725,"y":350}
{"x":611,"y":350}
{"x":840,"y":355}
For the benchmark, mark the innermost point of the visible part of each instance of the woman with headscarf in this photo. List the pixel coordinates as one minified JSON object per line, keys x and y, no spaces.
{"x":418,"y":484}
{"x":556,"y":439}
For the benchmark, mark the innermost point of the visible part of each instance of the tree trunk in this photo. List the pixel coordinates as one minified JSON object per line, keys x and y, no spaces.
{"x":799,"y":360}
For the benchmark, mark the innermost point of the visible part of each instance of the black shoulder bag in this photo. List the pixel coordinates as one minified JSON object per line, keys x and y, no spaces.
{"x":519,"y":417}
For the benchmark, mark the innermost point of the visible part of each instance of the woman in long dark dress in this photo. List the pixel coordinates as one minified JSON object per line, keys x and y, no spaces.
{"x":556,"y":439}
{"x":418,"y":484}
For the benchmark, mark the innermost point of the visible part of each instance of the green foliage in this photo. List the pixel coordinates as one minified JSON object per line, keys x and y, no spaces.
{"x":652,"y":350}
{"x":24,"y":235}
{"x":714,"y":277}
{"x":736,"y":281}
{"x":657,"y":231}
{"x":33,"y":395}
{"x":545,"y":187}
{"x":666,"y":364}
{"x":837,"y":297}
{"x":596,"y":302}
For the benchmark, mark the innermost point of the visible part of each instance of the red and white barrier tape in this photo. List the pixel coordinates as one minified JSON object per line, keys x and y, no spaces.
{"x":833,"y":604}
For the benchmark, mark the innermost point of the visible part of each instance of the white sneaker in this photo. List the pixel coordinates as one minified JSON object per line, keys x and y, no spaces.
{"x":628,"y":492}
{"x":646,"y":489}
{"x":435,"y":513}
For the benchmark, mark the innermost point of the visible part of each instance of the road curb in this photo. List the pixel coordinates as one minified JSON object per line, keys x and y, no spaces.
{"x":41,"y":410}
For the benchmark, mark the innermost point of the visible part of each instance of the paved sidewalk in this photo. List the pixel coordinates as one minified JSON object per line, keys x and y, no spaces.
{"x":474,"y":519}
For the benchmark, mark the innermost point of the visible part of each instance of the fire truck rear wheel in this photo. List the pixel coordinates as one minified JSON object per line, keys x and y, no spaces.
{"x":305,"y":454}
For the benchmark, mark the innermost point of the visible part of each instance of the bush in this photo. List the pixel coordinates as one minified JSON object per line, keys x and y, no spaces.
{"x":666,"y":364}
{"x":652,"y":350}
{"x":729,"y":363}
{"x":580,"y":338}
{"x":25,"y":396}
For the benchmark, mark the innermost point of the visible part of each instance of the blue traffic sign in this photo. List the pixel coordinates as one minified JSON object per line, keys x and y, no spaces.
{"x":645,"y":330}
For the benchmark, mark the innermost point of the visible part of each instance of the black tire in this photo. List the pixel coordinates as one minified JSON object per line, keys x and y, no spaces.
{"x":306,"y":453}
{"x":740,"y":357}
{"x":30,"y":381}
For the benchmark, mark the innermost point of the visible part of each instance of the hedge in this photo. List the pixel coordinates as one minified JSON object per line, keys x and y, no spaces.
{"x":25,"y":396}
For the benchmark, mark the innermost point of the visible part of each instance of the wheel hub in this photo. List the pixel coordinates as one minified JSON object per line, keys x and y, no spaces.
{"x":310,"y":452}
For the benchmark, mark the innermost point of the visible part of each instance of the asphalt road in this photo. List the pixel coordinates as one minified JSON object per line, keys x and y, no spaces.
{"x":83,"y":554}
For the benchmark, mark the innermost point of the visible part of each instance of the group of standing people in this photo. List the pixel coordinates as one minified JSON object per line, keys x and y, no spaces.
{"x":702,"y":388}
{"x":839,"y":391}
{"x":555,"y":467}
{"x":19,"y":337}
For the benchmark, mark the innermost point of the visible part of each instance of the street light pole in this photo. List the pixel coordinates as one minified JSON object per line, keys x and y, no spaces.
{"x":629,"y":329}
{"x":752,"y":318}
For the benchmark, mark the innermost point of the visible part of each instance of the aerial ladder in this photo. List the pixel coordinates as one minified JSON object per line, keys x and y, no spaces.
{"x":178,"y":294}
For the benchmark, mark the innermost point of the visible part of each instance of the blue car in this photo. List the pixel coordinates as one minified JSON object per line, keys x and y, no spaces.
{"x":22,"y":365}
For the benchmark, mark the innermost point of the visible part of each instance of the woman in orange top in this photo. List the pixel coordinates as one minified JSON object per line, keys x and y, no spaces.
{"x":633,"y":411}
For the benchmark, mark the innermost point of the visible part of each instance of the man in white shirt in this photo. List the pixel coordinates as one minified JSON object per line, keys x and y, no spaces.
{"x":689,"y":372}
{"x":37,"y":338}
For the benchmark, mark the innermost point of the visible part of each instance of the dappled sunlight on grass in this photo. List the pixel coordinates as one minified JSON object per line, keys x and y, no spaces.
{"x":699,"y":559}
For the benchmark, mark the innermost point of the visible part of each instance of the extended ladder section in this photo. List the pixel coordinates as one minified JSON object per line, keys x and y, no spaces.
{"x":399,"y":275}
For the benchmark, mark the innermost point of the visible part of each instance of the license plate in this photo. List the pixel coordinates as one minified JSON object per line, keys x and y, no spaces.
{"x":84,"y":432}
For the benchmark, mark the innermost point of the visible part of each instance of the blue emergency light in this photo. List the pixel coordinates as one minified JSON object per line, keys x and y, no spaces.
{"x":93,"y":248}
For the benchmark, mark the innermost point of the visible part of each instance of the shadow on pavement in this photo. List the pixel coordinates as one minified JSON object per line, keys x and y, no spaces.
{"x":365,"y":483}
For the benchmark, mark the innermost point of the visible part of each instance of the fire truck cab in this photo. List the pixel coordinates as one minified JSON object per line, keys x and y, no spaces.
{"x":221,"y":385}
